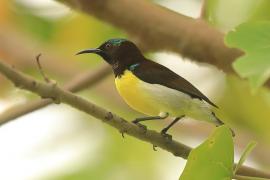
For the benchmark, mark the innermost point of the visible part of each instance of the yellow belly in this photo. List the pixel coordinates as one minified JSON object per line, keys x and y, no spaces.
{"x":128,"y":86}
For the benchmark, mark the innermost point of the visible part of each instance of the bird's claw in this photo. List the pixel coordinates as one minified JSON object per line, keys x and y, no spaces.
{"x":154,"y":147}
{"x":233,"y":133}
{"x":123,"y":134}
{"x":140,"y":125}
{"x":135,"y":121}
{"x":165,"y":135}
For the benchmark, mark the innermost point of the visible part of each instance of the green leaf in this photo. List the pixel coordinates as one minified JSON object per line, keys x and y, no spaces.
{"x":246,"y":152}
{"x":213,"y":159}
{"x":254,"y":39}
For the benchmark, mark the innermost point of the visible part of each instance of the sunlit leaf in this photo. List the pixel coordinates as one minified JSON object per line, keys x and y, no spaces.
{"x":213,"y":159}
{"x":254,"y":39}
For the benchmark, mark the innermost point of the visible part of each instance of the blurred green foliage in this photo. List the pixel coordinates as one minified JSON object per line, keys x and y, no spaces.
{"x":41,"y":29}
{"x":246,"y":109}
{"x":119,"y":159}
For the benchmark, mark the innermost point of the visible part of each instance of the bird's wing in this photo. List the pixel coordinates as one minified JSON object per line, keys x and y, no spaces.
{"x":155,"y":73}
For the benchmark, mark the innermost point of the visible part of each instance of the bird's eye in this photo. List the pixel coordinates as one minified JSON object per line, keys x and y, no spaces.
{"x":108,"y":46}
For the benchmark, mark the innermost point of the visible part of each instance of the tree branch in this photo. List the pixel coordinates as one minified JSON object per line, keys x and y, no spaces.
{"x":79,"y":83}
{"x":58,"y":95}
{"x":247,"y":178}
{"x":162,"y":29}
{"x":158,"y":28}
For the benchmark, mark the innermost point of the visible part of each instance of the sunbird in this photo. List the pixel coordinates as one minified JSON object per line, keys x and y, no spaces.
{"x":151,"y":88}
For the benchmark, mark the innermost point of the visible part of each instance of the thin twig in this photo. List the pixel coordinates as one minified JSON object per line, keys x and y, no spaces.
{"x":45,"y":77}
{"x":53,"y":91}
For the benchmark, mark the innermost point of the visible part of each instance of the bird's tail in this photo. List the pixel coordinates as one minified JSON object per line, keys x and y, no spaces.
{"x":220,"y":123}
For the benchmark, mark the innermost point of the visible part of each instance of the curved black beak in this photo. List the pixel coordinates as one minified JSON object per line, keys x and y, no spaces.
{"x":96,"y":51}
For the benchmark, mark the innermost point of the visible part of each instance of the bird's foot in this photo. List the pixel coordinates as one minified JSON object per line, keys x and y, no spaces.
{"x":122,"y":133}
{"x":165,"y":135}
{"x":154,"y":147}
{"x":233,"y":133}
{"x":139,"y":125}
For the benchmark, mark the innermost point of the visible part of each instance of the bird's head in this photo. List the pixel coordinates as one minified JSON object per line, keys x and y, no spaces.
{"x":119,"y":53}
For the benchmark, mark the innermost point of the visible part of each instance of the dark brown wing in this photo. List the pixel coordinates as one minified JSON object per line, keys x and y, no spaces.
{"x":155,"y":73}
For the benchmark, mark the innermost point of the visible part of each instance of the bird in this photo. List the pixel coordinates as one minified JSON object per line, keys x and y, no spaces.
{"x":151,"y":88}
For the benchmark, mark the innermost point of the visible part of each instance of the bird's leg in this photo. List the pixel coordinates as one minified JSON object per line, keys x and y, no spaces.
{"x":160,"y":116}
{"x":220,"y":123}
{"x":164,"y":130}
{"x":140,"y":119}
